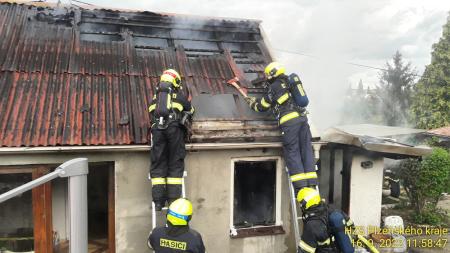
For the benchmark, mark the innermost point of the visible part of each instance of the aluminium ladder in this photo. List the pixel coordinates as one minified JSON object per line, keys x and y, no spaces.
{"x":294,"y":212}
{"x":155,"y":213}
{"x":183,"y":195}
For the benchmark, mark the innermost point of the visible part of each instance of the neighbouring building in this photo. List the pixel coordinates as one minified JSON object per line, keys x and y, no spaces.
{"x":352,"y":164}
{"x":441,"y":136}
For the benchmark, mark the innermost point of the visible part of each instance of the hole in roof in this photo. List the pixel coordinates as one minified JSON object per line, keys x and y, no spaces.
{"x":150,"y":42}
{"x":197,"y":45}
{"x":99,"y":28}
{"x":100,"y":37}
{"x":153,"y":31}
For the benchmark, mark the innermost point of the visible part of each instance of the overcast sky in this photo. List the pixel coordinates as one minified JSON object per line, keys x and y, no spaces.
{"x":360,"y":31}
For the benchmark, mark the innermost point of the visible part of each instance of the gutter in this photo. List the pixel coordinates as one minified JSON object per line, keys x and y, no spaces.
{"x":136,"y":148}
{"x":145,"y":148}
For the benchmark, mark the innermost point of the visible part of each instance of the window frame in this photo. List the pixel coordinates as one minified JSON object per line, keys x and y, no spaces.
{"x":259,"y":230}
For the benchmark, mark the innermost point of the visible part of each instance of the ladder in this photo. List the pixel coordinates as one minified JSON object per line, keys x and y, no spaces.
{"x":295,"y":218}
{"x":154,"y":212}
{"x":156,"y":215}
{"x":294,"y":211}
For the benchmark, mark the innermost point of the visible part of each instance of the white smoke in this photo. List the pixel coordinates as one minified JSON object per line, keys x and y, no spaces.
{"x":335,"y":32}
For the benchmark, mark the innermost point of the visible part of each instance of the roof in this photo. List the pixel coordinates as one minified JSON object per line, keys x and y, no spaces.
{"x":378,"y":130}
{"x":375,"y":138}
{"x":71,"y":76}
{"x":443,"y":131}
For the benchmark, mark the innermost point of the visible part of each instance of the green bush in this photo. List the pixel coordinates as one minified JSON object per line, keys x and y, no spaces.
{"x":434,"y":175}
{"x":428,"y":217}
{"x":424,"y":183}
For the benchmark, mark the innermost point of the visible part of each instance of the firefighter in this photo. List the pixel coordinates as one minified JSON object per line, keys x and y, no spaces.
{"x":168,"y":110}
{"x":293,"y":123}
{"x":315,"y":236}
{"x":176,"y":236}
{"x":326,"y":229}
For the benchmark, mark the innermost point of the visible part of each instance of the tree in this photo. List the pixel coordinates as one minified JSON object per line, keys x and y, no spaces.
{"x":394,"y":91}
{"x":360,"y":106}
{"x":408,"y":171}
{"x":431,"y":100}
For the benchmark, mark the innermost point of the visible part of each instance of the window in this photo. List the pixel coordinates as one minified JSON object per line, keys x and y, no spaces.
{"x":256,"y":197}
{"x":16,"y":215}
{"x":25,"y":220}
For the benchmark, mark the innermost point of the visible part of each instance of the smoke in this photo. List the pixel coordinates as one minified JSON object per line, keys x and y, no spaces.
{"x":334,"y":32}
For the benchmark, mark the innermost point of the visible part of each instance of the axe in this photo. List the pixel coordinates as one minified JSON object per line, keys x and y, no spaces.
{"x":234,"y":82}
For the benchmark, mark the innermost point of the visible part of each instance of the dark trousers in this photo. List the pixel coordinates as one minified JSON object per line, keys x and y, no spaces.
{"x":298,"y":153}
{"x":167,"y":162}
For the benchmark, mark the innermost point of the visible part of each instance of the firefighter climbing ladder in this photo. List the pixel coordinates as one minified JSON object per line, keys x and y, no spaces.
{"x":294,"y":212}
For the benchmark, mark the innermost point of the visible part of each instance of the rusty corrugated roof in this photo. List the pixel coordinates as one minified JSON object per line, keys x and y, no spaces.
{"x":71,"y":76}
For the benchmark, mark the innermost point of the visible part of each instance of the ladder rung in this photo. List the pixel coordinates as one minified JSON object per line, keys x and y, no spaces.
{"x":163,"y":209}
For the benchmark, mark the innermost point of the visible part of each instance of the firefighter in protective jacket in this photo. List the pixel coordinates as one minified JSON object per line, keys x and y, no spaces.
{"x":323,"y":227}
{"x":293,"y":123}
{"x":169,"y":111}
{"x":176,"y":236}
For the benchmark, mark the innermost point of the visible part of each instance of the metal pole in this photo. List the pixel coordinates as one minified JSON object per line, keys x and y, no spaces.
{"x":77,"y":204}
{"x":78,"y":214}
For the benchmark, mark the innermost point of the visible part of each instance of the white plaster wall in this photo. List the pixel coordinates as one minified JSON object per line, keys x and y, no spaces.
{"x":133,"y":202}
{"x":366,"y":190}
{"x":59,"y":209}
{"x":132,"y":197}
{"x":208,"y":187}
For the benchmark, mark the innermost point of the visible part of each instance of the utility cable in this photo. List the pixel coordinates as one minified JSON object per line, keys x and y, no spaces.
{"x":348,"y":63}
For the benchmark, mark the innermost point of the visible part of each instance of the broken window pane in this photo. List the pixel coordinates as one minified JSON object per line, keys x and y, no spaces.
{"x":254,"y":193}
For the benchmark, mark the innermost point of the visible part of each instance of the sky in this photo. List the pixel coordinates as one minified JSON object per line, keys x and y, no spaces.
{"x":328,"y":34}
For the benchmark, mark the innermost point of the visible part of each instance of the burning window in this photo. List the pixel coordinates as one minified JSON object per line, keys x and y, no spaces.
{"x":256,"y":197}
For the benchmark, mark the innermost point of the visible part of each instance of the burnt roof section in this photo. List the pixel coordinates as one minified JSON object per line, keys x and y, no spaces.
{"x":71,"y":76}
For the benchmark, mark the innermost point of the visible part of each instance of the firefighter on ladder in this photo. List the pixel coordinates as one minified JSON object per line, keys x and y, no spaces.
{"x":315,"y":236}
{"x":325,"y":229}
{"x":176,"y":236}
{"x":293,"y":123}
{"x":169,"y":110}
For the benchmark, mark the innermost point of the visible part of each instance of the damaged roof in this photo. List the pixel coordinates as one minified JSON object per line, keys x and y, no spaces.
{"x":376,"y":138}
{"x":72,"y":76}
{"x":442,"y":132}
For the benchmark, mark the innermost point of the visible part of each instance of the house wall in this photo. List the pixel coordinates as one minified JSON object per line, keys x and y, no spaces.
{"x":60,"y":209}
{"x":208,"y":187}
{"x":211,"y":194}
{"x":366,"y":191}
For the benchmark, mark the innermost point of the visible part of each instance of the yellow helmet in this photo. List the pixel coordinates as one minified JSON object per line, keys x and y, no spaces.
{"x":308,"y":197}
{"x":180,"y":212}
{"x":274,"y":69}
{"x":172,"y":77}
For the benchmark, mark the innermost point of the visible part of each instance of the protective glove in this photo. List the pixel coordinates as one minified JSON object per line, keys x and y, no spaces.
{"x":186,"y":118}
{"x":250,"y":101}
